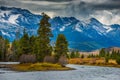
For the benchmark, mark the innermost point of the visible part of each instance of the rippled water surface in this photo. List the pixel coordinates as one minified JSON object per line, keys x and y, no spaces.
{"x":81,"y":73}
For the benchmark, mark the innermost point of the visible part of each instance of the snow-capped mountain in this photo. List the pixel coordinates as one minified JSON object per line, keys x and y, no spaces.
{"x":81,"y":35}
{"x":13,"y":20}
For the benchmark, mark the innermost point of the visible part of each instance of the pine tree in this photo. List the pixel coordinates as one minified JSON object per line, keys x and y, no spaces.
{"x":72,"y":55}
{"x":43,"y":41}
{"x":102,"y":53}
{"x":32,"y":44}
{"x":82,"y":56}
{"x":2,"y":48}
{"x":16,"y":50}
{"x":77,"y":54}
{"x":4,"y":45}
{"x":24,"y":44}
{"x":16,"y":47}
{"x":107,"y":57}
{"x":61,"y":46}
{"x":118,"y":60}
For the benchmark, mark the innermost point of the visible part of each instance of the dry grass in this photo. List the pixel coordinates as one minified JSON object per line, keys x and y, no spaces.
{"x":39,"y":67}
{"x":112,"y":61}
{"x":94,"y":62}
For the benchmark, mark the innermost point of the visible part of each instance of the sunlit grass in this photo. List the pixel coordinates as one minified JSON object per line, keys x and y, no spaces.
{"x":94,"y":62}
{"x":39,"y":67}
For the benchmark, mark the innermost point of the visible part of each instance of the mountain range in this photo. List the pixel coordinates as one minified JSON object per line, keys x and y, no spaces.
{"x":81,"y":35}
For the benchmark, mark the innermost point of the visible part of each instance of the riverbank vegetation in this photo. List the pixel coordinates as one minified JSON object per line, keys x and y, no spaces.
{"x":104,"y":58}
{"x":94,"y":62}
{"x":39,"y":67}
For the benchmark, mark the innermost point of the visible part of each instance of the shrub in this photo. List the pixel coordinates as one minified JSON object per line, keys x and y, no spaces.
{"x":82,"y":56}
{"x":27,"y":58}
{"x":63,"y":61}
{"x":49,"y":59}
{"x":106,"y":59}
{"x":93,"y":61}
{"x":118,"y":60}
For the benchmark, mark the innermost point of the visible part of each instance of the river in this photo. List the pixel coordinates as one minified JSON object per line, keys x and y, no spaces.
{"x":81,"y":73}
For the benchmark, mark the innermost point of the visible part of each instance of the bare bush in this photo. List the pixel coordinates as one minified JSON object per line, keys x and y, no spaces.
{"x":93,"y":61}
{"x":63,"y":61}
{"x":27,"y":58}
{"x":49,"y":59}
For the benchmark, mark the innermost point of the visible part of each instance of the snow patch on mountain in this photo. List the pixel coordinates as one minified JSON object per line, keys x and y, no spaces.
{"x":67,"y":24}
{"x":100,"y":30}
{"x":6,"y":17}
{"x":3,"y":20}
{"x":77,"y":27}
{"x":108,"y":28}
{"x":5,"y":33}
{"x":13,"y":19}
{"x":4,"y":13}
{"x":62,"y":29}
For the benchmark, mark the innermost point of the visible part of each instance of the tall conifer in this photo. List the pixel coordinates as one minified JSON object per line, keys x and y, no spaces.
{"x":43,"y":41}
{"x":61,"y":46}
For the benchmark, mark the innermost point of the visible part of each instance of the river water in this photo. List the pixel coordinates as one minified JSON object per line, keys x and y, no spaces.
{"x":81,"y":73}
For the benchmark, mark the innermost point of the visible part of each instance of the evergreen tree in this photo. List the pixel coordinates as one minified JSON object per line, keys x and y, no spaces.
{"x":16,"y":50}
{"x":4,"y":45}
{"x":7,"y":46}
{"x":112,"y":55}
{"x":106,"y":59}
{"x":43,"y":41}
{"x":89,"y":56}
{"x":102,"y":53}
{"x":72,"y":55}
{"x":15,"y":47}
{"x":118,"y":60}
{"x":24,"y":44}
{"x":32,"y":44}
{"x":77,"y":54}
{"x":82,"y":56}
{"x":61,"y":46}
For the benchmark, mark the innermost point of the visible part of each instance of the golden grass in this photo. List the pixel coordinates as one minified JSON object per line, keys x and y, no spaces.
{"x":39,"y":67}
{"x":94,"y":62}
{"x":112,"y":61}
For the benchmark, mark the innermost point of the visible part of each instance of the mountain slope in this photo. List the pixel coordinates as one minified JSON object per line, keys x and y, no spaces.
{"x":81,"y":35}
{"x":13,"y":20}
{"x":110,"y":49}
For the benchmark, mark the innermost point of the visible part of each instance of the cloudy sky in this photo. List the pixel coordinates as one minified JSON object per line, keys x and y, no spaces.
{"x":106,"y":11}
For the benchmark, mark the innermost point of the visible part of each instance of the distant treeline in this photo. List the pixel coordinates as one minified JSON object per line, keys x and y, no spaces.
{"x":107,"y":55}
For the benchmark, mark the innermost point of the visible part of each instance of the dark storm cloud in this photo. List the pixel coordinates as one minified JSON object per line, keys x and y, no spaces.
{"x":81,"y":9}
{"x":53,"y":0}
{"x":13,"y":3}
{"x":112,"y":4}
{"x":94,"y":4}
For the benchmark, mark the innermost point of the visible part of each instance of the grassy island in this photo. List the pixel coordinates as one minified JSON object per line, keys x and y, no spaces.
{"x":39,"y":67}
